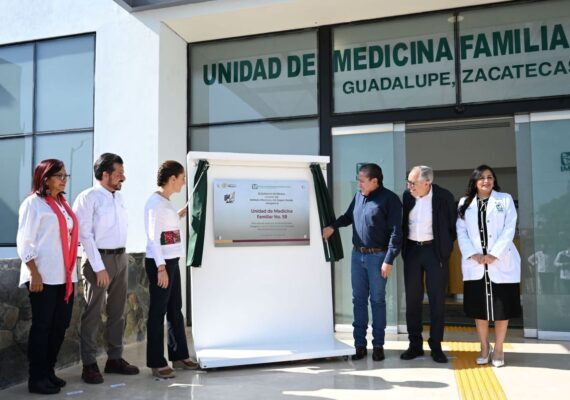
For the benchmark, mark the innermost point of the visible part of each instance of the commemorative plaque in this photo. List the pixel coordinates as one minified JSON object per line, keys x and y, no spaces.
{"x":261,"y":212}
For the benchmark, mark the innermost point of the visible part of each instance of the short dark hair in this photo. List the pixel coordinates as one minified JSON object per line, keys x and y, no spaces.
{"x":45,"y":170}
{"x":166,"y":170}
{"x":372,"y":171}
{"x":106,"y":163}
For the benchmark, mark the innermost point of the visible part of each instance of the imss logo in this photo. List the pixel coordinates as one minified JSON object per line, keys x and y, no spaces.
{"x":565,"y":161}
{"x":230,"y":197}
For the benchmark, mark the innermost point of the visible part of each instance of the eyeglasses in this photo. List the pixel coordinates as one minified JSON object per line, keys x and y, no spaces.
{"x":412,"y":183}
{"x":62,"y":177}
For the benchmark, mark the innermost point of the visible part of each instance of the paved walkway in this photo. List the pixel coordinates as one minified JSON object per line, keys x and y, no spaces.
{"x":534,"y":370}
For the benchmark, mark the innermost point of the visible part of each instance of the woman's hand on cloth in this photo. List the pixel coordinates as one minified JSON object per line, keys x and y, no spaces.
{"x":183,"y":212}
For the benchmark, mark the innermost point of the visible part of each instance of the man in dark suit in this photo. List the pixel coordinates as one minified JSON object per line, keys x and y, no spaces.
{"x":429,"y":232}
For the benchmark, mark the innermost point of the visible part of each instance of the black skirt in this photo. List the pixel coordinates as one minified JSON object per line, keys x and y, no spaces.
{"x":504,"y":300}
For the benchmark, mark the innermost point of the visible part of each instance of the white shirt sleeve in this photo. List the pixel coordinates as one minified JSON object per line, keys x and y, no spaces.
{"x":85,"y":213}
{"x":26,"y":238}
{"x":153,"y":233}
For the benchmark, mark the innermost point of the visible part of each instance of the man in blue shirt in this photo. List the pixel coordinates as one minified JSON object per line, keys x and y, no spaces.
{"x":376,"y":217}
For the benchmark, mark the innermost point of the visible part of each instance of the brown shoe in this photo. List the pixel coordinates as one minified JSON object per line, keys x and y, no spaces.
{"x":163,"y":373}
{"x":120,"y":366}
{"x":184,"y":364}
{"x":91,"y":374}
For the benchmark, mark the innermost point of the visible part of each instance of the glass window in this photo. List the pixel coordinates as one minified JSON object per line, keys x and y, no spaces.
{"x":543,"y":167}
{"x":16,"y":183}
{"x":290,"y":137}
{"x":16,"y":89}
{"x":515,"y":52}
{"x":75,"y":150}
{"x":352,"y":147}
{"x":258,"y":78}
{"x":64,"y":98}
{"x":550,"y":148}
{"x":61,"y":103}
{"x":394,"y":64}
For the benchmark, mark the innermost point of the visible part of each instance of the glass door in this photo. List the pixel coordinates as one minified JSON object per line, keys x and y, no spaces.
{"x":543,"y":163}
{"x":353,"y":146}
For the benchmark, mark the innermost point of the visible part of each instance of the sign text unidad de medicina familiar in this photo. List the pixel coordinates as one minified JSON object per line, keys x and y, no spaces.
{"x":385,"y":59}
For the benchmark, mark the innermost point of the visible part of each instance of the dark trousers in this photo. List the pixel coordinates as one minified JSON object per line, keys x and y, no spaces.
{"x":51,"y":316}
{"x":167,"y":302}
{"x":420,"y":260}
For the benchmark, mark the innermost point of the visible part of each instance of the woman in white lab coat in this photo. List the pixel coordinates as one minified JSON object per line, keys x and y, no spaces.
{"x":490,"y":262}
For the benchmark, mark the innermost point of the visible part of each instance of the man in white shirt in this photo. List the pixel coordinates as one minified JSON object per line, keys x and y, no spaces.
{"x":102,"y":218}
{"x":429,"y":232}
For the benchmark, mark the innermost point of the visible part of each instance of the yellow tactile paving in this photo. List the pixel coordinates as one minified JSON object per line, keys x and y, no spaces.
{"x":473,"y":381}
{"x":459,"y":329}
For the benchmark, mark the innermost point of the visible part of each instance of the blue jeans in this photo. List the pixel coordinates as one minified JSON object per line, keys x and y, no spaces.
{"x":367,"y":282}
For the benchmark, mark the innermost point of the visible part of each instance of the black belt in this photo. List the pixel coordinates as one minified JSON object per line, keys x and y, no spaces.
{"x":369,"y":250}
{"x":424,"y":243}
{"x":120,"y":250}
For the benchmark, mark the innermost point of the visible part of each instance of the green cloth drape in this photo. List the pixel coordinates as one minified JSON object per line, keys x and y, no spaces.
{"x":198,"y":218}
{"x":332,"y":247}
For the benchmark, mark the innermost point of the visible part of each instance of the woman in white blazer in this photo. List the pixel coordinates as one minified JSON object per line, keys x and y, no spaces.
{"x":163,"y":251}
{"x":490,"y":262}
{"x":47,"y":245}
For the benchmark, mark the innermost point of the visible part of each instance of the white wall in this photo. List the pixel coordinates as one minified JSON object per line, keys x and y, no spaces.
{"x":172,"y":120}
{"x":126,"y":110}
{"x":211,"y":20}
{"x":127,"y":98}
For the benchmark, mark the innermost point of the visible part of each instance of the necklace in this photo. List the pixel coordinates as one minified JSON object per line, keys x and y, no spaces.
{"x":162,"y":195}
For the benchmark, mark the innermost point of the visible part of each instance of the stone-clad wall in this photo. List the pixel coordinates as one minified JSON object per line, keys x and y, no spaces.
{"x":15,"y":319}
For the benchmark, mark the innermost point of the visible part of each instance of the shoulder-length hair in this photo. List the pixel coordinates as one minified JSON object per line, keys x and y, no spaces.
{"x":45,"y":170}
{"x":471,"y":191}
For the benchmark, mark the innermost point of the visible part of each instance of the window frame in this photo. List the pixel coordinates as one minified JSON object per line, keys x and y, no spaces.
{"x":34,"y":132}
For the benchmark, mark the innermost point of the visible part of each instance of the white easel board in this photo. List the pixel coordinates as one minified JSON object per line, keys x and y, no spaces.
{"x":261,"y":304}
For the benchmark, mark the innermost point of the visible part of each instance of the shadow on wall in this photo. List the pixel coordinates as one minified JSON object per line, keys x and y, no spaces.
{"x":15,"y":319}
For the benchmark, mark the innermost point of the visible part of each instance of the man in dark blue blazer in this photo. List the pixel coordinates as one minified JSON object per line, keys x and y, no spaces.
{"x":375,"y":214}
{"x":428,"y":225}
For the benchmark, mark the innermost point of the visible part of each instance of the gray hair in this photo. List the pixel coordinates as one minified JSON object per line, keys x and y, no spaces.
{"x":426,"y":173}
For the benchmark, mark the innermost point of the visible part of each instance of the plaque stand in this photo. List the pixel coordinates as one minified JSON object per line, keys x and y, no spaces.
{"x":253,"y":305}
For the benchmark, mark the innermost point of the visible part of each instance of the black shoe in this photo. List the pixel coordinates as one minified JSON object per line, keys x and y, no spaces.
{"x":120,"y":366}
{"x":56,"y":380}
{"x":439,"y":356}
{"x":412,"y":353}
{"x":43,"y":386}
{"x":91,"y":374}
{"x":360,"y":353}
{"x":378,"y":353}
